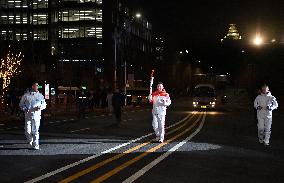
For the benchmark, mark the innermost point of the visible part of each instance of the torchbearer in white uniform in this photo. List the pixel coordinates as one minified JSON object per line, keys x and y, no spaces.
{"x":32,"y":103}
{"x":265,"y":103}
{"x":161,"y":100}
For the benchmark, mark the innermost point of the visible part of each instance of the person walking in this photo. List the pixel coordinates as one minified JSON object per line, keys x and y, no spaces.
{"x":82,"y":103}
{"x":117,"y":103}
{"x":109,"y":100}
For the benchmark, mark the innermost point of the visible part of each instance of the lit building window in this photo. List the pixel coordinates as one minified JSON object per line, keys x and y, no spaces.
{"x":40,"y":4}
{"x":39,"y":19}
{"x":40,"y":34}
{"x":80,"y":15}
{"x":21,"y":35}
{"x":94,"y":32}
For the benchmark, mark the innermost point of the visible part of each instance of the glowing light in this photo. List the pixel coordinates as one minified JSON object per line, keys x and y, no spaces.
{"x":258,"y":40}
{"x":273,"y":40}
{"x":138,"y":15}
{"x":9,"y":67}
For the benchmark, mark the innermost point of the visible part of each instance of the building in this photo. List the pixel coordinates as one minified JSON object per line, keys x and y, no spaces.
{"x":232,"y":34}
{"x":130,"y":37}
{"x":159,"y":49}
{"x":78,"y":42}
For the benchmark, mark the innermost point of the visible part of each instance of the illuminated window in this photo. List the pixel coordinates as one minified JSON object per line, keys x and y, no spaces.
{"x":80,"y":15}
{"x":40,"y":4}
{"x":69,"y":32}
{"x":80,"y":1}
{"x":94,"y":32}
{"x":40,"y":34}
{"x":40,"y":18}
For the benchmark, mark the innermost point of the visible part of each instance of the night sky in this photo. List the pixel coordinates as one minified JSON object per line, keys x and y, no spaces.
{"x":197,"y":21}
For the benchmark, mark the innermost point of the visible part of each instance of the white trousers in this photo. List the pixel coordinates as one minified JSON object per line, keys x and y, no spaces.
{"x":32,"y":130}
{"x":158,"y":124}
{"x":264,"y":127}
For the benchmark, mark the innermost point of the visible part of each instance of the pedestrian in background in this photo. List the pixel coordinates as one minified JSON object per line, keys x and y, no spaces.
{"x":264,"y":103}
{"x":109,"y":100}
{"x":32,"y":103}
{"x":91,"y":100}
{"x":82,"y":103}
{"x":117,"y":103}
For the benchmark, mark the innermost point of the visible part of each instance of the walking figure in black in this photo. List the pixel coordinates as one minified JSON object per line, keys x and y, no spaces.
{"x":117,"y":103}
{"x":82,"y":102}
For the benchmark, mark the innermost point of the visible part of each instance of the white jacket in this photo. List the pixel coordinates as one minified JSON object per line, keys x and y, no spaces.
{"x":267,"y":102}
{"x":160,"y":102}
{"x":30,"y":101}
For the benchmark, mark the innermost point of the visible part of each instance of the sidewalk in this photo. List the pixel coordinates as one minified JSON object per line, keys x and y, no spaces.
{"x":6,"y":117}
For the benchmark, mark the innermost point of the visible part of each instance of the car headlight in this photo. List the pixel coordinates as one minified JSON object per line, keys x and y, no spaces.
{"x":195,"y":103}
{"x":212,"y":103}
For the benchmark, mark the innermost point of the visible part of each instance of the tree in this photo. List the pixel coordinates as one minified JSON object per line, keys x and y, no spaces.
{"x":10,"y":66}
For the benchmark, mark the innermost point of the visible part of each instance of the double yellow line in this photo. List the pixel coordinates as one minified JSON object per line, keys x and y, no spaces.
{"x":128,"y":163}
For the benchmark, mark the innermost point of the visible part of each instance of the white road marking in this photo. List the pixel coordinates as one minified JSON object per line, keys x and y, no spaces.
{"x":84,"y":129}
{"x":57,"y":171}
{"x":165,"y":155}
{"x":72,"y":119}
{"x":2,"y":124}
{"x":51,"y":122}
{"x":103,"y":115}
{"x":58,"y":121}
{"x":64,"y":120}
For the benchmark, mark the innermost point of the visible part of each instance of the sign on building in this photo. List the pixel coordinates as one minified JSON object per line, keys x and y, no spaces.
{"x":46,"y":91}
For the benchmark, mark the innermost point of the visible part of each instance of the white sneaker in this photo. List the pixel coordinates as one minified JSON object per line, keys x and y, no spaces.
{"x":161,"y":140}
{"x":31,"y":143}
{"x":266,"y":143}
{"x":36,"y":147}
{"x":260,"y":141}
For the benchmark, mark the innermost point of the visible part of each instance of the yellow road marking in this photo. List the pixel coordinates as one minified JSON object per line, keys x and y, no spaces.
{"x":128,"y":163}
{"x":100,"y":164}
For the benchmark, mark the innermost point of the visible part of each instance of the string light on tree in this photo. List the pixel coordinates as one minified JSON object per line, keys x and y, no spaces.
{"x":9,"y":67}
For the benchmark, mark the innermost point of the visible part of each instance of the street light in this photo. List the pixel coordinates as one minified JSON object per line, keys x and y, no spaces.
{"x":138,"y":15}
{"x":258,"y":40}
{"x":273,"y":40}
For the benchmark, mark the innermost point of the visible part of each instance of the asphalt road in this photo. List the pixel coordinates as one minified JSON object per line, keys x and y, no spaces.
{"x":213,"y":146}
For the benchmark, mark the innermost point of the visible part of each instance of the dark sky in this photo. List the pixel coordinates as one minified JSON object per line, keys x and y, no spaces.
{"x":207,"y":20}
